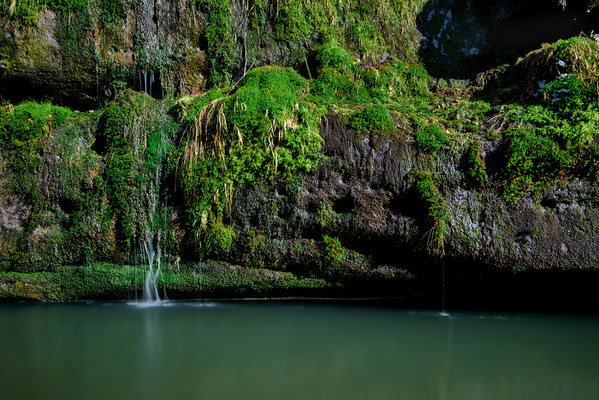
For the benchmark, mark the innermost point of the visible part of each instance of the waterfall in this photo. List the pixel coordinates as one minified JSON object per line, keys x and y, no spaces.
{"x":443,"y":312}
{"x":153,"y":257}
{"x":563,"y":3}
{"x":152,"y":245}
{"x":144,"y":81}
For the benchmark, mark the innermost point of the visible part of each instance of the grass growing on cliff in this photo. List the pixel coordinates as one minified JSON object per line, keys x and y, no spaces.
{"x":334,"y":252}
{"x":25,"y":132}
{"x":373,"y":118}
{"x":430,"y":137}
{"x":265,"y":127}
{"x":553,"y":138}
{"x":135,"y":137}
{"x":476,"y":165}
{"x":437,"y":211}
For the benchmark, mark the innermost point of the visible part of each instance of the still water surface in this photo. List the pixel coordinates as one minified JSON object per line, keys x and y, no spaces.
{"x":291,"y":350}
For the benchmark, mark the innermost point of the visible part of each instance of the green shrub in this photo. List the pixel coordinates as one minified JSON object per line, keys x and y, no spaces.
{"x":373,"y":118}
{"x":265,"y":128}
{"x":335,"y":57}
{"x":333,"y":250}
{"x":430,"y":138}
{"x":476,"y":166}
{"x":437,"y":210}
{"x":25,"y":129}
{"x":533,"y":162}
{"x":568,"y":94}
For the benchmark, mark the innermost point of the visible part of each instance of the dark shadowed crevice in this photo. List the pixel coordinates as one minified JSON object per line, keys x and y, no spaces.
{"x":464,"y":37}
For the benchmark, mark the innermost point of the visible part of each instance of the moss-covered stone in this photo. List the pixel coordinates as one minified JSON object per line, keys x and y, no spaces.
{"x":101,"y":281}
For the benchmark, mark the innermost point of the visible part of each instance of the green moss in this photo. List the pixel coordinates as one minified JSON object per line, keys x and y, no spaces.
{"x":553,"y":140}
{"x":135,"y":136}
{"x":323,"y":217}
{"x":437,"y":210}
{"x":430,"y":137}
{"x":534,"y":162}
{"x":333,"y":250}
{"x":333,"y":56}
{"x":100,"y":281}
{"x":25,"y":11}
{"x":111,"y":10}
{"x":220,"y":39}
{"x":266,"y":127}
{"x":25,"y":131}
{"x":476,"y":165}
{"x":30,"y":121}
{"x":373,"y":118}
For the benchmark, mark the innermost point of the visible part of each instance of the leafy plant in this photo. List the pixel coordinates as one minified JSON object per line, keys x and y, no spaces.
{"x":437,"y":210}
{"x":373,"y":118}
{"x":430,"y":137}
{"x":333,"y":250}
{"x":264,"y":128}
{"x":335,"y":57}
{"x":476,"y":165}
{"x":533,"y":162}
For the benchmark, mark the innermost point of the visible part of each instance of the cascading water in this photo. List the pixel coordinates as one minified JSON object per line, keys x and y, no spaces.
{"x":150,"y":291}
{"x":443,"y":312}
{"x":150,"y":249}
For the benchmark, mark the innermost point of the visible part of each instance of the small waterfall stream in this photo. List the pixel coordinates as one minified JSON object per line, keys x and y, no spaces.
{"x":153,"y":258}
{"x":443,"y":312}
{"x":151,"y":245}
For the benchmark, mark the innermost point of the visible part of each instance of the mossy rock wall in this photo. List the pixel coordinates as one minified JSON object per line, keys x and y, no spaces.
{"x":84,"y":55}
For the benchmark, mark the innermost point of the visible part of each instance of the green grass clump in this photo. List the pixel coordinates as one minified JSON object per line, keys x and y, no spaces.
{"x":333,"y":250}
{"x":476,"y":166}
{"x":373,"y":118}
{"x":264,"y":128}
{"x":335,"y":57}
{"x":430,"y":137}
{"x":25,"y":131}
{"x":533,"y":163}
{"x":437,"y":210}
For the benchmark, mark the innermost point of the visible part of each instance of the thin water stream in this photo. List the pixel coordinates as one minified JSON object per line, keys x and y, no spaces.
{"x":292,"y":350}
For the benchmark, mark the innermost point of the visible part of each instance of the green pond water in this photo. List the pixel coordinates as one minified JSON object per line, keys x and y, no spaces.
{"x":291,"y":350}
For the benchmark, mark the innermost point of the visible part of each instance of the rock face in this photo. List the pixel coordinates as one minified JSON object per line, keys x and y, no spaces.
{"x":68,"y":193}
{"x":364,"y":194}
{"x":163,"y":47}
{"x":356,"y":221}
{"x":79,"y":59}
